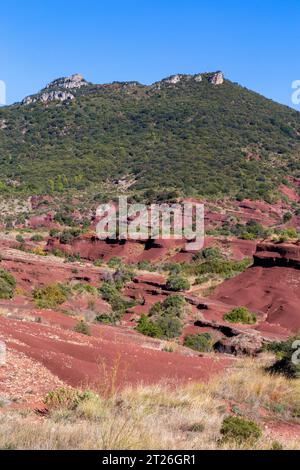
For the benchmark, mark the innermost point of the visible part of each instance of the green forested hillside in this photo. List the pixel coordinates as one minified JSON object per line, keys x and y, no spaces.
{"x":195,"y":137}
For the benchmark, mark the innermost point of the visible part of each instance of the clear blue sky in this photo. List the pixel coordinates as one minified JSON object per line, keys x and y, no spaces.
{"x":255,"y":42}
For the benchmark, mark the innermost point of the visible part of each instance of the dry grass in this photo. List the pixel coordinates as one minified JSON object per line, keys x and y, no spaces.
{"x":163,"y":416}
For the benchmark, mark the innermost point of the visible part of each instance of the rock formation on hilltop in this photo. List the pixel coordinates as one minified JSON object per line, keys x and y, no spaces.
{"x":54,"y":90}
{"x":217,"y":78}
{"x":74,"y":81}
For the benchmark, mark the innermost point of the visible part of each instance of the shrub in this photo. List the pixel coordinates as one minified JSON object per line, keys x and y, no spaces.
{"x":98,"y":263}
{"x":240,"y":315}
{"x":37,"y":238}
{"x":201,"y":342}
{"x":114,"y":262}
{"x":240,"y":430}
{"x":85,"y":288}
{"x":20,"y":239}
{"x":285,"y":351}
{"x":54,"y":232}
{"x":105,"y":318}
{"x":7,"y":285}
{"x":122,"y":275}
{"x":111,"y":294}
{"x":224,"y":268}
{"x":208,"y":253}
{"x":148,"y":328}
{"x":173,"y":268}
{"x":177,"y":283}
{"x":170,"y":326}
{"x":39,"y":251}
{"x":145,"y":266}
{"x":83,"y":328}
{"x":67,"y":236}
{"x":50,"y":296}
{"x":66,"y":398}
{"x":287,"y":217}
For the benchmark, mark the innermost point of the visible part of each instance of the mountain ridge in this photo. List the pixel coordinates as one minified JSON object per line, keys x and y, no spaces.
{"x":193,"y":135}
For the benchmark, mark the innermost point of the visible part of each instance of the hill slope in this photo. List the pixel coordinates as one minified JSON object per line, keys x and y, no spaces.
{"x":199,"y":135}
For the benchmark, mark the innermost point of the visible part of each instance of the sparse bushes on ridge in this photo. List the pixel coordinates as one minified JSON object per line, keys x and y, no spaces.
{"x":240,"y":315}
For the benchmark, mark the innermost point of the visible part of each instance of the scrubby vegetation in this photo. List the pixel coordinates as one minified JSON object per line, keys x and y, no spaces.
{"x":7,"y":284}
{"x":240,"y":430}
{"x":177,"y":283}
{"x":83,"y":328}
{"x":288,"y":357}
{"x":201,"y":342}
{"x":165,"y":318}
{"x":162,"y":416}
{"x":240,"y":315}
{"x":110,"y":292}
{"x":158,"y":127}
{"x":50,"y":296}
{"x":212,"y":264}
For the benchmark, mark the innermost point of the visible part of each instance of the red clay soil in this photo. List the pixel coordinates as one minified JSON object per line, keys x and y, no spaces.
{"x":272,"y":290}
{"x":31,"y":271}
{"x":80,"y":360}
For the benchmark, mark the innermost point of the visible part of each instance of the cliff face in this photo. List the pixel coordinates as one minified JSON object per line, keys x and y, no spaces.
{"x":281,"y":255}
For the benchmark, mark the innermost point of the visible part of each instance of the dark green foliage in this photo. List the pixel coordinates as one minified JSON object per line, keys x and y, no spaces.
{"x":221,"y":267}
{"x":177,"y":283}
{"x":20,"y":239}
{"x":145,"y":266}
{"x":240,"y":430}
{"x":83,"y":328}
{"x":192,"y":139}
{"x":37,"y":238}
{"x":212,"y":252}
{"x":287,"y":217}
{"x":50,"y":296}
{"x":173,"y":305}
{"x":240,"y":315}
{"x":148,"y":328}
{"x":169,"y":325}
{"x":54,"y":232}
{"x":7,"y":285}
{"x":288,"y":358}
{"x":172,"y":268}
{"x":165,"y":318}
{"x":67,"y":236}
{"x":201,"y":342}
{"x":111,"y":294}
